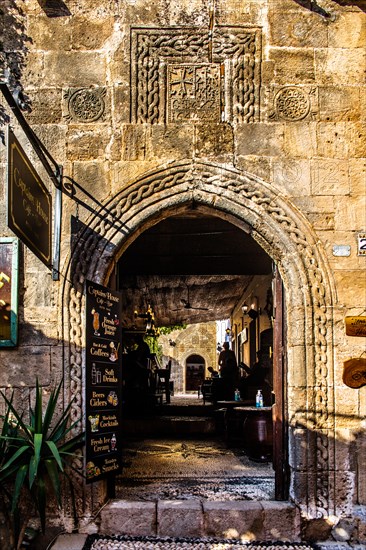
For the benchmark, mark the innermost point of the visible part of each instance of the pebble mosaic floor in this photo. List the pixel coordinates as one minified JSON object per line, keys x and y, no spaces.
{"x":168,"y":543}
{"x":207,"y":469}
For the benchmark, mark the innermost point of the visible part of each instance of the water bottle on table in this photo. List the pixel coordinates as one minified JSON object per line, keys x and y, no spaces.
{"x":259,"y":399}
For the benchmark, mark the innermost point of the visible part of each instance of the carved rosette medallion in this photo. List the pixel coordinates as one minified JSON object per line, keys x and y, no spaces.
{"x":85,"y":104}
{"x":194,"y":92}
{"x":292,"y":103}
{"x":183,"y":74}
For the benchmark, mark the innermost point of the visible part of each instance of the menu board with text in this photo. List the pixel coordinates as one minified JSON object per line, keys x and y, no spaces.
{"x":103,"y":382}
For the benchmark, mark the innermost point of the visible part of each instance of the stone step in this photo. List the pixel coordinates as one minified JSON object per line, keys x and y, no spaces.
{"x":245,"y":520}
{"x":174,"y":426}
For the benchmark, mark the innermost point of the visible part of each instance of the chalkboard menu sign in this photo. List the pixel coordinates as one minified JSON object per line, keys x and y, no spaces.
{"x":103,"y":382}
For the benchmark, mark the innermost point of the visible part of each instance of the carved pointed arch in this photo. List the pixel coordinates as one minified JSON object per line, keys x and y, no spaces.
{"x":287,"y":237}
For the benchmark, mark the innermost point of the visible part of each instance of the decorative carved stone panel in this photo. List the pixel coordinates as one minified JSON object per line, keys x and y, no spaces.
{"x":188,"y":74}
{"x":85,"y":104}
{"x":293,"y":103}
{"x":193,"y":92}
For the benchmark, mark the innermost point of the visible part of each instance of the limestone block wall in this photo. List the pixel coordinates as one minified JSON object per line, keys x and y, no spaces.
{"x":197,"y":339}
{"x":273,"y":90}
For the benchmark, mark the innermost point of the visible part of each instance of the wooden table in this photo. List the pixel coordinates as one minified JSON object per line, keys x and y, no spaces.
{"x":232,"y":404}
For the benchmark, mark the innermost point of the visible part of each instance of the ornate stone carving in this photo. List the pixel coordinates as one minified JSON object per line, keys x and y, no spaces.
{"x":194,"y":92}
{"x":275,"y":221}
{"x":158,"y":54}
{"x":293,"y":103}
{"x":85,"y":104}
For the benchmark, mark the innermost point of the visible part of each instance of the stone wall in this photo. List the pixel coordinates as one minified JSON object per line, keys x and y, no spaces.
{"x":257,"y":108}
{"x":197,"y":339}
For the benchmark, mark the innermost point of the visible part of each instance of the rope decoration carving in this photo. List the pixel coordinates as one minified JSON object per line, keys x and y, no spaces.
{"x":271,"y":216}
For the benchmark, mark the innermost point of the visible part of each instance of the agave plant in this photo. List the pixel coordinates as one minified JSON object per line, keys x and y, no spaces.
{"x":35,"y":454}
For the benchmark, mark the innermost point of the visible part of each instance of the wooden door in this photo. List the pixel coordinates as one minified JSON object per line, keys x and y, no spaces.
{"x":280,"y":450}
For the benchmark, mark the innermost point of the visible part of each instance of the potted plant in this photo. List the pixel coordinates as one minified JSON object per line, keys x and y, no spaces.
{"x":33,"y":457}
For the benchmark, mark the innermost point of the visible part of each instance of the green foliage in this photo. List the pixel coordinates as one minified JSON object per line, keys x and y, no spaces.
{"x":153,"y":341}
{"x":168,"y":330}
{"x":34,"y":454}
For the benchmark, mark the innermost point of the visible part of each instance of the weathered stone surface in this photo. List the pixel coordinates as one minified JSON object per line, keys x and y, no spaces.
{"x":134,"y":142}
{"x":91,"y":34}
{"x":339,"y":66}
{"x":125,"y":173}
{"x":260,"y":139}
{"x":22,"y":366}
{"x":293,"y":66}
{"x":332,"y":141}
{"x":121,"y":100}
{"x":291,"y":28}
{"x":73,"y":69}
{"x":53,"y":138}
{"x":348,"y":31}
{"x":351,"y":213}
{"x":329,"y":177}
{"x":292,"y":176}
{"x":339,"y":103}
{"x":46,"y":106}
{"x":299,"y":140}
{"x":214,"y":141}
{"x":296,"y":367}
{"x":357,"y":174}
{"x":357,"y":140}
{"x":50,"y":33}
{"x":318,"y":210}
{"x":129,"y":518}
{"x":33,"y":70}
{"x":169,"y":141}
{"x":281,"y":521}
{"x":85,"y":143}
{"x":346,"y":405}
{"x":237,"y":520}
{"x":344,"y":482}
{"x":94,"y":178}
{"x":259,"y":166}
{"x":179,"y":516}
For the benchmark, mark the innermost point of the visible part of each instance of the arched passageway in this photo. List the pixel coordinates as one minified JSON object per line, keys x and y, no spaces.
{"x":273,"y":222}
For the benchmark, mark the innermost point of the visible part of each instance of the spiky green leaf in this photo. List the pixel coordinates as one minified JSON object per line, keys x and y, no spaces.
{"x":55,"y":479}
{"x":32,"y":471}
{"x":40,"y":497}
{"x":18,"y":417}
{"x":19,"y":482}
{"x":38,"y":410}
{"x":50,"y":411}
{"x":15,"y":456}
{"x":55,"y":453}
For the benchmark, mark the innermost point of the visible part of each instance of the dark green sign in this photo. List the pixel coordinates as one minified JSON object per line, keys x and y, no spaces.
{"x":29,"y":203}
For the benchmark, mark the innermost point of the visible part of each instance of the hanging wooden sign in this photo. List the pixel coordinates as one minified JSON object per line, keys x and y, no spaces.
{"x":354,"y":372}
{"x":29,"y":203}
{"x":355,"y":326}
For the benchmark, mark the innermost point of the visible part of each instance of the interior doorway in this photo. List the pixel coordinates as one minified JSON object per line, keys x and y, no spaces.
{"x":191,"y":269}
{"x":195,"y":372}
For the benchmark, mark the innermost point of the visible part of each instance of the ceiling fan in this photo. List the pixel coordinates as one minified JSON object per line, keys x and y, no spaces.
{"x":186,"y":304}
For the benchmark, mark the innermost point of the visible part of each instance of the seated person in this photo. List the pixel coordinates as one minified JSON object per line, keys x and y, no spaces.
{"x":213,"y":372}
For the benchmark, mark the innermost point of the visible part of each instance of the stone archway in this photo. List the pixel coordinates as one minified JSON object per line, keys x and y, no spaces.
{"x":288,"y":239}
